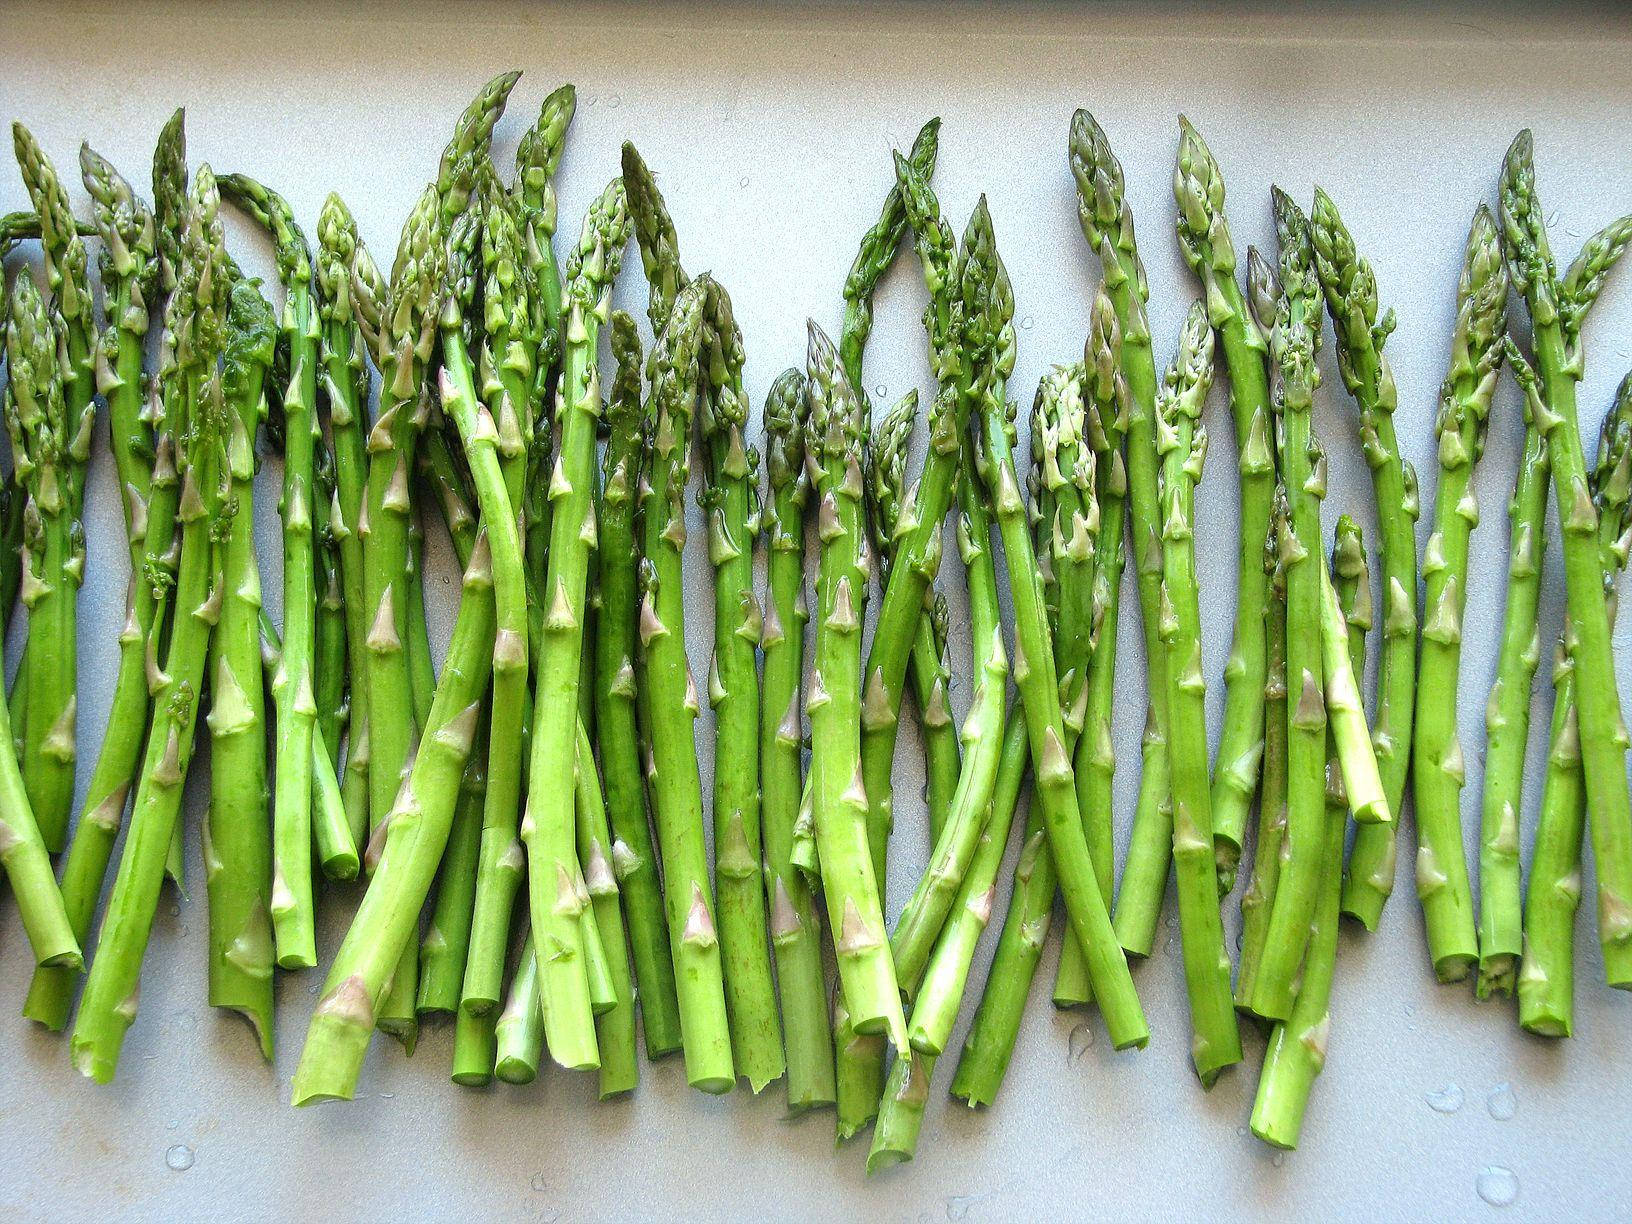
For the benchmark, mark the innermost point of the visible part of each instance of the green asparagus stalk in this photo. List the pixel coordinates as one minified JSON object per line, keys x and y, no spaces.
{"x":1204,"y":239}
{"x":519,"y":1030}
{"x":795,"y":924}
{"x":615,"y":1025}
{"x":1297,"y":1047}
{"x":538,"y":157}
{"x":1558,"y":308}
{"x":1293,"y":344}
{"x":53,"y":537}
{"x":1107,"y":224}
{"x":634,"y":858}
{"x":293,"y":910}
{"x":129,"y":272}
{"x":1182,"y":441}
{"x":729,"y":497}
{"x":1350,"y":288}
{"x":1464,"y":410}
{"x":1546,"y":980}
{"x":446,"y":946}
{"x":332,"y":836}
{"x":196,"y":318}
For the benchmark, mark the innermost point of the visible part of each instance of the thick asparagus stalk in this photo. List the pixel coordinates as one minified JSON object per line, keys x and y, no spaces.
{"x":1182,"y":439}
{"x":1558,"y":308}
{"x":1350,"y":287}
{"x":795,"y":924}
{"x":1293,"y":344}
{"x":53,"y":537}
{"x":1204,"y":239}
{"x":196,"y":318}
{"x":1107,"y":224}
{"x":1297,"y":1047}
{"x":1546,"y":981}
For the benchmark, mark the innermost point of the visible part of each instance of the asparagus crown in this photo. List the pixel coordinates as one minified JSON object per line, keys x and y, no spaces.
{"x":407,"y":330}
{"x":1105,"y":389}
{"x":724,"y":417}
{"x":1189,"y":376}
{"x":1058,"y":424}
{"x":271,"y":211}
{"x":623,"y":407}
{"x":1102,"y":207}
{"x":538,"y":156}
{"x":1350,"y":286}
{"x":1476,"y":348}
{"x":36,"y":415}
{"x":1350,"y":570}
{"x":1612,"y":472}
{"x":877,"y":250}
{"x":987,"y":296}
{"x":507,"y":305}
{"x":886,"y":472}
{"x":593,"y":264}
{"x":125,"y":225}
{"x":337,"y":249}
{"x":784,"y":418}
{"x":1263,"y":290}
{"x":656,"y":237}
{"x":251,"y":341}
{"x":1275,"y":566}
{"x":1198,"y":189}
{"x":1295,"y":338}
{"x":675,"y":379}
{"x":1585,"y":277}
{"x":837,"y":428}
{"x":1529,"y":254}
{"x":937,"y":250}
{"x":66,"y":270}
{"x":466,"y":155}
{"x":170,"y":195}
{"x":204,"y":272}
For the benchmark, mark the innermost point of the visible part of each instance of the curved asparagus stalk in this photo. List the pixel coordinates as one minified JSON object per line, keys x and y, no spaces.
{"x":1350,"y":287}
{"x":1546,"y":980}
{"x":795,"y":924}
{"x":1297,"y":1048}
{"x":129,"y":272}
{"x":1464,"y":410}
{"x":53,"y":537}
{"x":1107,"y":224}
{"x":1293,"y":343}
{"x":1558,"y":307}
{"x":1215,"y":1044}
{"x":293,"y":910}
{"x":1204,"y":240}
{"x":634,"y":857}
{"x":34,"y":412}
{"x":108,"y":1005}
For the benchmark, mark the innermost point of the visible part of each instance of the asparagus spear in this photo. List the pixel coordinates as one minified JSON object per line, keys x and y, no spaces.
{"x":1350,"y":288}
{"x":1107,"y":224}
{"x":336,"y":847}
{"x":634,"y":858}
{"x":519,"y":1030}
{"x":129,"y":272}
{"x":1546,"y":980}
{"x":538,"y":157}
{"x":34,"y":412}
{"x":1293,"y":344}
{"x":1464,"y":410}
{"x":293,"y":911}
{"x":670,"y":695}
{"x":795,"y":923}
{"x":1204,"y":239}
{"x":237,"y":835}
{"x":444,"y":952}
{"x":729,"y":499}
{"x":196,"y":317}
{"x":1297,"y":1047}
{"x":53,"y":537}
{"x":1558,"y":308}
{"x":1182,"y":441}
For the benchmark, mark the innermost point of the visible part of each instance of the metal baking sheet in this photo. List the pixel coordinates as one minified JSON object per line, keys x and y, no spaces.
{"x":770,"y":126}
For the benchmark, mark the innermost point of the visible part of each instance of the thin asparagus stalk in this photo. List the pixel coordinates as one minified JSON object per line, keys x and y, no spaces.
{"x":795,"y":925}
{"x":1558,"y":308}
{"x":34,"y":412}
{"x":129,"y":270}
{"x":1546,"y":980}
{"x":53,"y":537}
{"x":634,"y":858}
{"x":1350,"y":288}
{"x":1464,"y":410}
{"x":1204,"y":239}
{"x":1258,"y":898}
{"x":332,"y":836}
{"x":519,"y":1030}
{"x":1297,"y":1048}
{"x":1107,"y":224}
{"x":446,"y":945}
{"x":197,"y":316}
{"x":1293,"y":344}
{"x":538,"y":157}
{"x":729,"y":498}
{"x":1215,"y":1043}
{"x":293,"y":910}
{"x":237,"y":830}
{"x":615,"y":1026}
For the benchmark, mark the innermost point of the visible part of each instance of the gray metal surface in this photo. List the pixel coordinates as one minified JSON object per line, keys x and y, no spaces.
{"x":770,"y":127}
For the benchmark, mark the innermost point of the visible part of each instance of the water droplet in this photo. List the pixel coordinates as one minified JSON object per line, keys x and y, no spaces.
{"x":184,"y":930}
{"x":881,"y":390}
{"x":387,"y":1096}
{"x":1027,"y":322}
{"x":1078,"y":1044}
{"x":957,"y":1207}
{"x":1278,"y":1159}
{"x":172,"y":1124}
{"x":175,"y":911}
{"x":1171,"y":946}
{"x":1497,"y":1185}
{"x":1242,"y":1131}
{"x":540,"y":1182}
{"x":180,"y":1157}
{"x":312,"y":989}
{"x":1172,"y":922}
{"x":743,"y":181}
{"x":614,"y":102}
{"x":1501,"y":1103}
{"x":1552,"y":218}
{"x":1446,"y":1101}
